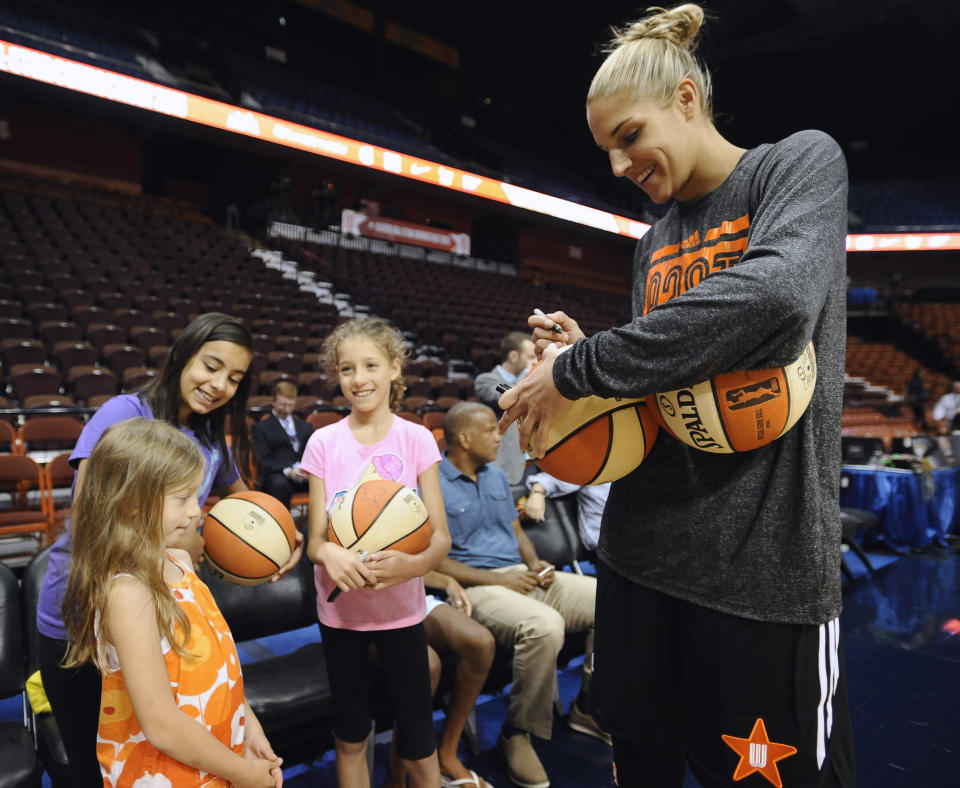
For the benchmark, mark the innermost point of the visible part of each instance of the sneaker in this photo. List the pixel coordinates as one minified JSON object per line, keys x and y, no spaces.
{"x":521,"y":761}
{"x":582,"y":722}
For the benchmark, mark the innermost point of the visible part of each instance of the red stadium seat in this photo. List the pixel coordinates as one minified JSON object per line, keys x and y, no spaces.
{"x":88,"y":382}
{"x":29,"y":379}
{"x":22,"y":351}
{"x":120,"y":357}
{"x":72,"y":354}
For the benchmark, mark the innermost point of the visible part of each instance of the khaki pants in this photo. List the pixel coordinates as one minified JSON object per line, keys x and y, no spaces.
{"x":534,"y":625}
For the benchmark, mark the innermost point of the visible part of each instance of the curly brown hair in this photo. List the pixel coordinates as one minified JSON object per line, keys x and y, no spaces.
{"x":384,"y":335}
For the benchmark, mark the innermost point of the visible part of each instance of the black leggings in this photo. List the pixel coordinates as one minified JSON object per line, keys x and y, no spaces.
{"x":74,"y":695}
{"x":403,"y":659}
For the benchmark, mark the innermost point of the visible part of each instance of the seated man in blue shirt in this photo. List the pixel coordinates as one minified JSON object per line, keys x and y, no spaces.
{"x":527,"y":605}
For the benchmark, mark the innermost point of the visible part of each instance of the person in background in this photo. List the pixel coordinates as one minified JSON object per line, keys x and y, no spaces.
{"x":946,"y":413}
{"x":278,"y":442}
{"x":517,"y":356}
{"x":917,"y":399}
{"x":451,"y":631}
{"x":591,"y":500}
{"x":527,"y":605}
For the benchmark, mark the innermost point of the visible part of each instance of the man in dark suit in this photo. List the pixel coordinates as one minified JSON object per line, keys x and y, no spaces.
{"x":279,"y":440}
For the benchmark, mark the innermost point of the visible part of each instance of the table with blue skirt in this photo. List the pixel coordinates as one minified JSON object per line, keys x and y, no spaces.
{"x":915,"y":509}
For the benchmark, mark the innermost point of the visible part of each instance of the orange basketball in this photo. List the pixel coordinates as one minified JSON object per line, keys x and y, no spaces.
{"x":599,"y":439}
{"x":740,"y":411}
{"x":380,"y":515}
{"x":248,"y":536}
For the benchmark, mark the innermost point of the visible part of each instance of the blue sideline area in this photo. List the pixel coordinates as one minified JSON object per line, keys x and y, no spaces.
{"x":877,"y":560}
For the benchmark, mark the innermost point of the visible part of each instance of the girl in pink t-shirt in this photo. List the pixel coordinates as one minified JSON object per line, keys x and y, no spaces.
{"x":382,"y":600}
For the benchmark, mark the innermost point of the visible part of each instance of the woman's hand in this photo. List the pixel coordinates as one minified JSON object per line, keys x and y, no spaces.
{"x":544,"y":335}
{"x":534,"y":403}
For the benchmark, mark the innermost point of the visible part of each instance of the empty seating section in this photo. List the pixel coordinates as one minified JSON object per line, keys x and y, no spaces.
{"x":96,"y":285}
{"x":939,"y":322}
{"x":876,"y":380}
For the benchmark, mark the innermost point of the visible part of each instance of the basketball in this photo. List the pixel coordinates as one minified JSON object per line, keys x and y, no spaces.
{"x":380,"y":515}
{"x":598,"y":440}
{"x":247,"y":537}
{"x":740,"y":411}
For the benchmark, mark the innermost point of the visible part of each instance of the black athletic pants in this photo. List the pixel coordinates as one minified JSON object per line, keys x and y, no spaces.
{"x":678,"y":685}
{"x":74,"y":695}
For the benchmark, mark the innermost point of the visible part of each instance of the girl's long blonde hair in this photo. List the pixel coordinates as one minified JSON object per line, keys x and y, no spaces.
{"x":116,"y":524}
{"x":648,"y":58}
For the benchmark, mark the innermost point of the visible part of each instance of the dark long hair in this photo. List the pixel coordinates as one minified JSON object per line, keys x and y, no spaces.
{"x":162,"y":394}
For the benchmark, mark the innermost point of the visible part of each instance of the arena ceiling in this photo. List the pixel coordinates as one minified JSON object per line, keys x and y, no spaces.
{"x":879,"y":75}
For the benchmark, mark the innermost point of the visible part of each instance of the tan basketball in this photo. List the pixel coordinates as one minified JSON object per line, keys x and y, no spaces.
{"x":380,"y":515}
{"x":740,"y":411}
{"x":598,"y":440}
{"x":248,"y":536}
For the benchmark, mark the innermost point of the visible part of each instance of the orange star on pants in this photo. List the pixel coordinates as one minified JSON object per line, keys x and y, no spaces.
{"x":758,"y":754}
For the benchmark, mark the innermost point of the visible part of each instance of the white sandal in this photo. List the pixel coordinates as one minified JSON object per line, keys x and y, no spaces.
{"x":473,"y":779}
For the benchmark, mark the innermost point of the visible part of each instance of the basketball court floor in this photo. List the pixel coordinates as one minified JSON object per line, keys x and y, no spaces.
{"x":903,"y":663}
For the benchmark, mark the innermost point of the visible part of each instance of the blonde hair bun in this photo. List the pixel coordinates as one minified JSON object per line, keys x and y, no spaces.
{"x":679,"y":25}
{"x":648,"y":58}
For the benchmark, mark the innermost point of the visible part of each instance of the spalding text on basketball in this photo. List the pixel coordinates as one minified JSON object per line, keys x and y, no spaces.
{"x":692,"y":422}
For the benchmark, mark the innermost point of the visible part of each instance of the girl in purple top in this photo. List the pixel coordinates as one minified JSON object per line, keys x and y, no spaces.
{"x":205,"y":378}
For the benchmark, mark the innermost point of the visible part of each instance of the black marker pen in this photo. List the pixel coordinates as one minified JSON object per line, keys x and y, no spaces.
{"x":556,"y":326}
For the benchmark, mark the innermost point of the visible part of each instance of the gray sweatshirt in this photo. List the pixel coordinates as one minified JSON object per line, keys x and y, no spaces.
{"x":741,"y":278}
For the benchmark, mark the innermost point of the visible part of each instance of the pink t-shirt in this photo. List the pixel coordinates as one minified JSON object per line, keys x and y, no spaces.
{"x":334,"y":455}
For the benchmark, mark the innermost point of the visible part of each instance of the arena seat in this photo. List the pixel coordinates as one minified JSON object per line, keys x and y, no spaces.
{"x":15,"y":350}
{"x":86,"y":383}
{"x":49,"y":746}
{"x":47,"y":433}
{"x":289,"y":693}
{"x":120,"y":357}
{"x":73,"y":354}
{"x":29,"y":379}
{"x":321,"y":418}
{"x":21,"y":478}
{"x":555,"y":543}
{"x":17,"y":753}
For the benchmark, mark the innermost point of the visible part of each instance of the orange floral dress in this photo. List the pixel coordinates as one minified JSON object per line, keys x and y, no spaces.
{"x":207,"y":687}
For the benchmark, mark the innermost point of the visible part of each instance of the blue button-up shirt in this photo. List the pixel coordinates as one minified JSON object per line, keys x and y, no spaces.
{"x":480,"y":516}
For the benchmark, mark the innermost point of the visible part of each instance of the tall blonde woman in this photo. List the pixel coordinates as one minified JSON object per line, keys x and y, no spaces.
{"x":717,"y":637}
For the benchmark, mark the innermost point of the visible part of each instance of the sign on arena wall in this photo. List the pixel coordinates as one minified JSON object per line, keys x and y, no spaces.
{"x":357,"y":223}
{"x":112,"y":86}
